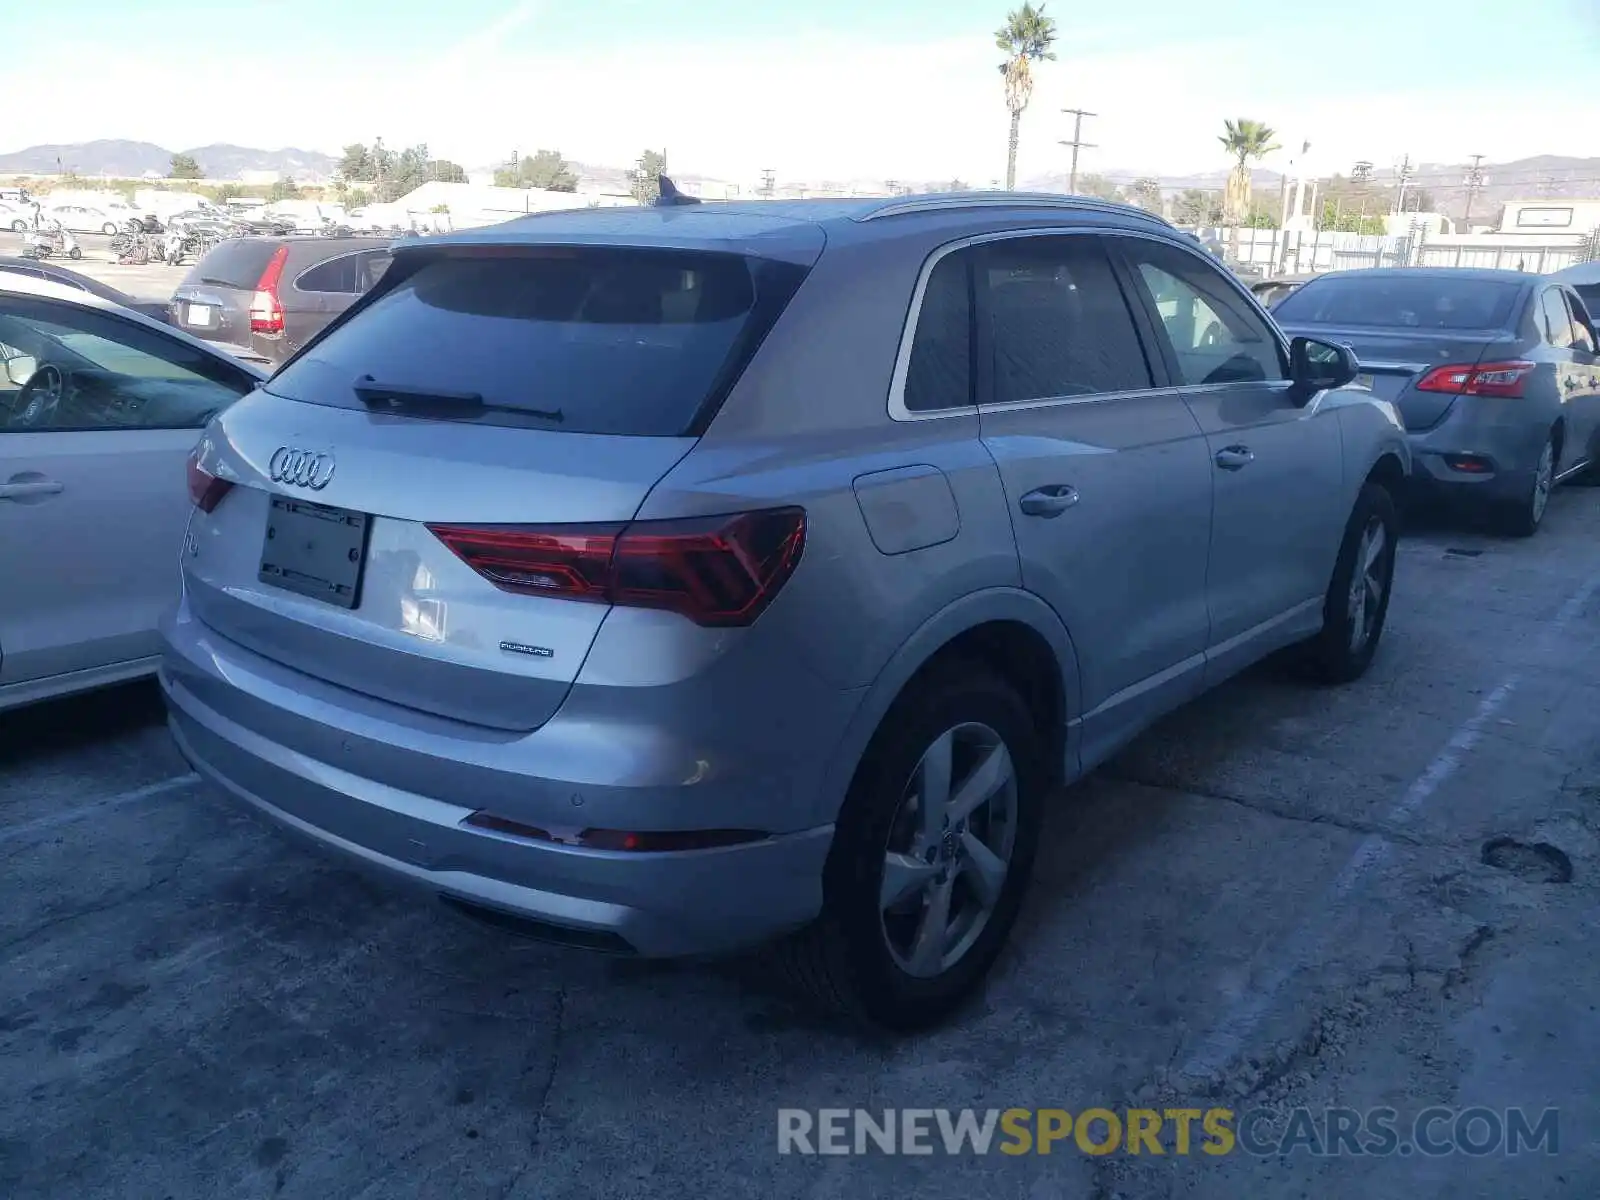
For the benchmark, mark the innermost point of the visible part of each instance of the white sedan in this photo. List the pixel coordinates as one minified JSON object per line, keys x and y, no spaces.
{"x":80,"y":218}
{"x":99,"y":409}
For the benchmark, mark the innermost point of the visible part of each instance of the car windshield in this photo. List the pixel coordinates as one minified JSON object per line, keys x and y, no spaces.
{"x":614,"y":341}
{"x":1378,"y":299}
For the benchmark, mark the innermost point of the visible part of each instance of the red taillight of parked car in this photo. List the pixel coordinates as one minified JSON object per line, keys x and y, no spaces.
{"x":1484,"y":379}
{"x":205,"y":489}
{"x":716,"y":571}
{"x":266,"y":309}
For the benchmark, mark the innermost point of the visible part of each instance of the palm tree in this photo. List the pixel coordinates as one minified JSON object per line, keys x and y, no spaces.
{"x":1027,"y":35}
{"x":1248,"y":141}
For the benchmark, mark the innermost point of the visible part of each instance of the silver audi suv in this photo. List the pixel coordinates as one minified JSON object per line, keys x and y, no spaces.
{"x":678,"y":579}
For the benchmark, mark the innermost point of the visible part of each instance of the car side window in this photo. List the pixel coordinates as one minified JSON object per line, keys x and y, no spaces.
{"x":345,"y":273}
{"x":1059,"y":324}
{"x":939,"y":374}
{"x":68,"y":368}
{"x":1557,"y":322}
{"x":1215,"y":336}
{"x":1582,"y":334}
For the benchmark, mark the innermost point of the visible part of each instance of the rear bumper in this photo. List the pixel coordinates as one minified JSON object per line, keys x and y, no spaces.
{"x":653,"y":904}
{"x":1509,"y":449}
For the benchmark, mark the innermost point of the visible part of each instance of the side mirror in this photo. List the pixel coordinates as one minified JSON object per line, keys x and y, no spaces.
{"x":1315,"y":365}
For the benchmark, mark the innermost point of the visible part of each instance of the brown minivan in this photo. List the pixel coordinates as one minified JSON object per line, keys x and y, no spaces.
{"x":263,"y":298}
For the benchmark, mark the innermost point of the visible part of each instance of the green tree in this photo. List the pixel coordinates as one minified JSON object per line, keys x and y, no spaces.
{"x":1146,"y":193}
{"x":1197,"y":207}
{"x":1028,"y":35}
{"x":644,"y":181}
{"x":1248,"y":141}
{"x":284,"y":189}
{"x":185,"y":167}
{"x":544,"y":169}
{"x":1098,"y":186}
{"x":357,"y":164}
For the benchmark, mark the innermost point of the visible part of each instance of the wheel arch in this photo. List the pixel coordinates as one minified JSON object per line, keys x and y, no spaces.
{"x":1015,"y":633}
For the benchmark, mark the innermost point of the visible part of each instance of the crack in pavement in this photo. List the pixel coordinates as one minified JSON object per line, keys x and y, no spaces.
{"x":1281,"y":812}
{"x":91,"y":910}
{"x":552,"y":1068}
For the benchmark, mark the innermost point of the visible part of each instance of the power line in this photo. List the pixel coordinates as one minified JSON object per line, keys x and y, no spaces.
{"x":1077,"y":143}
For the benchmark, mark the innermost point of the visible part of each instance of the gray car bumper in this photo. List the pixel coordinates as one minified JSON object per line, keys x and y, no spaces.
{"x":667,"y":904}
{"x":1509,"y":449}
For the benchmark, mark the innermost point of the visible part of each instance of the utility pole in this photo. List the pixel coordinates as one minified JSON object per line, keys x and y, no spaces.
{"x":1475,"y":181}
{"x":1547,"y":185}
{"x":1077,"y":143}
{"x":769,"y":179}
{"x":1405,"y":174}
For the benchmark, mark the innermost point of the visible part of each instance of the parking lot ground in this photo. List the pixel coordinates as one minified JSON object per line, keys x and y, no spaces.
{"x":1282,"y":896}
{"x":154,"y":281}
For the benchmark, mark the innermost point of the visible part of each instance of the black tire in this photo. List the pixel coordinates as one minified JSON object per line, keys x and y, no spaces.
{"x":74,"y":254}
{"x":843,"y":962}
{"x":19,"y":227}
{"x":1522,"y":517}
{"x":1335,"y":655}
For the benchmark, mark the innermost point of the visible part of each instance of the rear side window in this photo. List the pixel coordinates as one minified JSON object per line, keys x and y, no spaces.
{"x":351,"y":274}
{"x":1582,"y":335}
{"x":1378,"y":299}
{"x":939,"y":374}
{"x":1590,"y":295}
{"x":1555,"y":322}
{"x":614,"y":341}
{"x":236,"y":263}
{"x":1058,"y":320}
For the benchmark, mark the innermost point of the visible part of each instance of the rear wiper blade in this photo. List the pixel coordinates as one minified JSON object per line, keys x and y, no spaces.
{"x":401,"y":397}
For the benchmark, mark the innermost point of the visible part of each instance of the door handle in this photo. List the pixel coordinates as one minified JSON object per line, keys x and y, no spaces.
{"x":1049,"y":501}
{"x":24,"y":491}
{"x":1235,"y":458}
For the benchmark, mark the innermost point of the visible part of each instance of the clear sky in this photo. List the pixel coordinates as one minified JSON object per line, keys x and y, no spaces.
{"x":815,"y":89}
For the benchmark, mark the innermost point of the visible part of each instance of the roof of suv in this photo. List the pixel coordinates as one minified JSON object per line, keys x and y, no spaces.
{"x":770,"y":221}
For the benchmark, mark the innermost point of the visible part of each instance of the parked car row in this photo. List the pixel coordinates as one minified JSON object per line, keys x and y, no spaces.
{"x":525,"y":577}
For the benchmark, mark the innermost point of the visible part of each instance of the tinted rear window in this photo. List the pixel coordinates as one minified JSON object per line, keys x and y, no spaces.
{"x":617,"y":341}
{"x":1590,"y":292}
{"x":1406,"y":302}
{"x":236,"y":263}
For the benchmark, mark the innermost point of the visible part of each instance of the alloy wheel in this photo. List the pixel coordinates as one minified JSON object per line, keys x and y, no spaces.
{"x":1543,"y":481}
{"x":949,"y":850}
{"x":1367,"y":584}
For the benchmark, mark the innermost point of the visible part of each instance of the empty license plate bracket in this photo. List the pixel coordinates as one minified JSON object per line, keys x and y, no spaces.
{"x":315,"y":550}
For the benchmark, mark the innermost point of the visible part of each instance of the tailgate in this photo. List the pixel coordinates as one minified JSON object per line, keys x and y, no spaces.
{"x":331,"y":569}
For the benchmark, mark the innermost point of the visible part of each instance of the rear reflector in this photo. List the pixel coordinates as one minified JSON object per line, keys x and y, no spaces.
{"x":205,"y":489}
{"x":656,"y":842}
{"x":716,"y":571}
{"x":1486,"y":379}
{"x":266,"y":309}
{"x":1472,"y":464}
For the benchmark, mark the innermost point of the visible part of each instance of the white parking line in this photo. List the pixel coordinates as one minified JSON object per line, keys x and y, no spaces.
{"x":67,"y":816}
{"x":1223,"y":1044}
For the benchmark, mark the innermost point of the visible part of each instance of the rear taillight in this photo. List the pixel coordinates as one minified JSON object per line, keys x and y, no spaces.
{"x":1486,"y":379}
{"x":205,"y":489}
{"x":719,"y":571}
{"x":266,"y":309}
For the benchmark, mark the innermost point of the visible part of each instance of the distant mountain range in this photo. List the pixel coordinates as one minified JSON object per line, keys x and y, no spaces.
{"x":1546,"y":175}
{"x":122,"y":159}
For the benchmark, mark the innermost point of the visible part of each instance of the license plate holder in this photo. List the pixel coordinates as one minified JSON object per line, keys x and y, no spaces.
{"x":315,"y":550}
{"x":199,"y":315}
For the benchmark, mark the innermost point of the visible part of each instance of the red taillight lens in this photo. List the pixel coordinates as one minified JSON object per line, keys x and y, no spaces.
{"x":266,"y":309}
{"x":205,"y":489}
{"x":1486,"y":379}
{"x":717,"y":571}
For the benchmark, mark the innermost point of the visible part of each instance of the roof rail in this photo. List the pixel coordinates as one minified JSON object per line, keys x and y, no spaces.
{"x":956,"y":201}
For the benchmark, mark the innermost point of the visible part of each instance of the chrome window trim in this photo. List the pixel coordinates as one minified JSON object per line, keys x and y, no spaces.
{"x":902,"y":362}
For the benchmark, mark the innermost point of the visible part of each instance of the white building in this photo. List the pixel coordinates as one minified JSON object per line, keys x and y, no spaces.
{"x":1550,"y":216}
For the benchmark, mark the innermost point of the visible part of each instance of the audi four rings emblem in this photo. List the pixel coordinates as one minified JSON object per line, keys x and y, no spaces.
{"x":300,"y":468}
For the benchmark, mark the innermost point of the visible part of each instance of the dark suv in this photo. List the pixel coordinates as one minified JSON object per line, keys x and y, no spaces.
{"x":265,"y":297}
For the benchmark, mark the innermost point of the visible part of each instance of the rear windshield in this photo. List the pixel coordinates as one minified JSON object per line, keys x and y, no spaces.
{"x":236,"y":263}
{"x":577,"y":339}
{"x":1405,"y":302}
